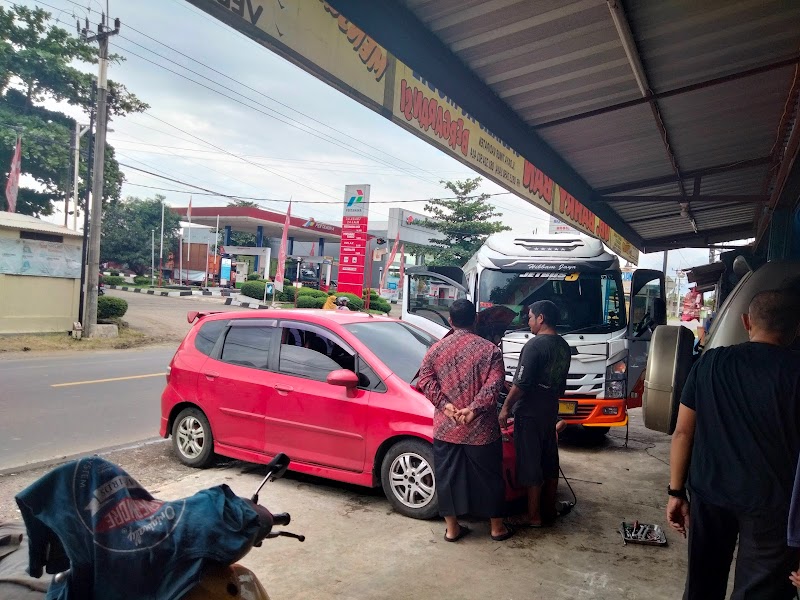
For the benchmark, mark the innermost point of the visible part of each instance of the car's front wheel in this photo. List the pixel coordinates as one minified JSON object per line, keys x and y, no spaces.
{"x":408,"y":479}
{"x":192,"y":439}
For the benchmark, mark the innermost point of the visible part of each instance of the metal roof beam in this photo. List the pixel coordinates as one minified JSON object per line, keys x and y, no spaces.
{"x":700,"y":240}
{"x":632,"y":52}
{"x":695,"y":211}
{"x":779,"y":64}
{"x":395,"y":27}
{"x":728,"y":198}
{"x":723,"y":168}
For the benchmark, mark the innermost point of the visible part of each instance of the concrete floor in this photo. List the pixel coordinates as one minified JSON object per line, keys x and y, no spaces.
{"x":357,"y":547}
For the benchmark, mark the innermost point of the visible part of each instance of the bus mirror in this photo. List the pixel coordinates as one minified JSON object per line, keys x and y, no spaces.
{"x":659,"y":311}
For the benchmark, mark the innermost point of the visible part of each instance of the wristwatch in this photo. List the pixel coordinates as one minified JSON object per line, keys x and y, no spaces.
{"x":681,"y":493}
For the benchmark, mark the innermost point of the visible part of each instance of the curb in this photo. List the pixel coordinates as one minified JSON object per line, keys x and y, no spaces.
{"x":137,"y":290}
{"x":255,"y":305}
{"x":51,"y":462}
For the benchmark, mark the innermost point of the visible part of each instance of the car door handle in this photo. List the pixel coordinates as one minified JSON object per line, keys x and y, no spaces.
{"x":211,"y":374}
{"x":284,"y":388}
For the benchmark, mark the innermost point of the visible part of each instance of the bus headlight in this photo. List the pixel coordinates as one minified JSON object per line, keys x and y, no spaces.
{"x":616,"y":379}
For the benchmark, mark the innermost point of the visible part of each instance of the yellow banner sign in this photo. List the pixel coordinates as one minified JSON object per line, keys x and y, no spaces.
{"x":316,"y":37}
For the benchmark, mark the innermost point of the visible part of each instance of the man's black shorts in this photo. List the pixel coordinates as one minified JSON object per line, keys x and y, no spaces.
{"x":537,"y":451}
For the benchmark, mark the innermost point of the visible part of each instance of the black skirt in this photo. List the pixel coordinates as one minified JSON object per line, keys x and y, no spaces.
{"x":469,"y":479}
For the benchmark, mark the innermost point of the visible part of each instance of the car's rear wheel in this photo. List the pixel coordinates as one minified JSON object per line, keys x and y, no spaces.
{"x":408,"y":479}
{"x":192,"y":439}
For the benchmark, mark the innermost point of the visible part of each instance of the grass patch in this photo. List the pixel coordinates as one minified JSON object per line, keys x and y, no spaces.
{"x":51,"y":342}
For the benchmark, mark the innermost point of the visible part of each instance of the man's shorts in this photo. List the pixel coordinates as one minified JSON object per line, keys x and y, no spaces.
{"x":537,"y":451}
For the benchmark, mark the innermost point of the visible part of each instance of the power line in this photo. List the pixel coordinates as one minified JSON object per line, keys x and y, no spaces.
{"x":210,"y":192}
{"x":261,"y":93}
{"x":296,"y":124}
{"x":325,"y":138}
{"x":277,"y":158}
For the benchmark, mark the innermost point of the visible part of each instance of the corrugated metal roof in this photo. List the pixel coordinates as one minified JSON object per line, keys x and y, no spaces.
{"x":556,"y":59}
{"x":28,"y":223}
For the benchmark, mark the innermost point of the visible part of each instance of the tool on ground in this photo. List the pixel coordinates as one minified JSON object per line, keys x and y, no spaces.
{"x":643,"y":533}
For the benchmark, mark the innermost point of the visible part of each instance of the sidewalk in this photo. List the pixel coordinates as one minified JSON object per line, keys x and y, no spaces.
{"x":357,"y":547}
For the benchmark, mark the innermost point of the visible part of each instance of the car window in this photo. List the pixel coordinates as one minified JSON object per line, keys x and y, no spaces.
{"x":368,"y":378}
{"x":207,"y":336}
{"x":400,"y":346}
{"x":312,"y":354}
{"x":247,"y":346}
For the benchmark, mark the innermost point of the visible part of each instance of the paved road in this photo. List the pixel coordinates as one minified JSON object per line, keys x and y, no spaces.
{"x":58,"y":405}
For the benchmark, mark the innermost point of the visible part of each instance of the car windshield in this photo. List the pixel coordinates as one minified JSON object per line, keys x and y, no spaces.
{"x":399,"y":346}
{"x":589,"y":302}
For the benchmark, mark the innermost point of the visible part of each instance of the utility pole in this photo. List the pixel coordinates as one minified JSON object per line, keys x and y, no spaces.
{"x":80,"y":131}
{"x":93,"y":261}
{"x":85,"y":244}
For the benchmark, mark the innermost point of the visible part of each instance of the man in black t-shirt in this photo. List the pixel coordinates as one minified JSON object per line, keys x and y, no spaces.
{"x":539,"y":382}
{"x":736,"y":445}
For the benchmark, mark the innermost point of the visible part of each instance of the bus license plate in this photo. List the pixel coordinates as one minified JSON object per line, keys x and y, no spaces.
{"x":567,"y":408}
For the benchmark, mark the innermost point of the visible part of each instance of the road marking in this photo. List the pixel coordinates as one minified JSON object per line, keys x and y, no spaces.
{"x":55,"y":385}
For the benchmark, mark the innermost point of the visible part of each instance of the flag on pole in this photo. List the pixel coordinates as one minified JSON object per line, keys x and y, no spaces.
{"x":12,"y":186}
{"x":402,"y":267}
{"x":391,"y":260}
{"x":189,"y":246}
{"x":282,"y":251}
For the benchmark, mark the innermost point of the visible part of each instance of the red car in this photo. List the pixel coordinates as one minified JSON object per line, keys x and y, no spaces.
{"x":332,"y":389}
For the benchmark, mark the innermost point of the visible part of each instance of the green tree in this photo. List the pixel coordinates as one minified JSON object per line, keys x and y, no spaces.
{"x":126,"y":236}
{"x":37,"y":64}
{"x":241,"y":238}
{"x":465,"y":221}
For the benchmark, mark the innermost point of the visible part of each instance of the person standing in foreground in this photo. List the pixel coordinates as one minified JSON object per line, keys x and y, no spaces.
{"x":737,"y":439}
{"x":462,"y":375}
{"x":540,"y":381}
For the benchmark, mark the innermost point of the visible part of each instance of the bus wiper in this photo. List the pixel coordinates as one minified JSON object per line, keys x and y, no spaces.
{"x":580,"y":329}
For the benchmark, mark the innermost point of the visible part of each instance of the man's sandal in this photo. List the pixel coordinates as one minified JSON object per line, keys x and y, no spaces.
{"x":463,"y":531}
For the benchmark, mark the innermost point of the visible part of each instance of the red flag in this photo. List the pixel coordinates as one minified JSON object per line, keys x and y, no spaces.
{"x":189,"y":216}
{"x":402,"y":267}
{"x":282,"y":251}
{"x":12,"y":187}
{"x":391,"y":259}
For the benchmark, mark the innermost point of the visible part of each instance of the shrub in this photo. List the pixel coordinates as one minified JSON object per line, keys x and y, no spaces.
{"x":353,"y":301}
{"x":307,"y":291}
{"x":306,"y":301}
{"x":141,"y":280}
{"x":111,"y":308}
{"x":114,"y":273}
{"x":380,"y":304}
{"x":253,"y":276}
{"x":113,"y":280}
{"x":253,"y":289}
{"x":288,"y":293}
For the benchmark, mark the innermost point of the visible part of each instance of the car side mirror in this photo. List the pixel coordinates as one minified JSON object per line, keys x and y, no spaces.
{"x":344,"y":378}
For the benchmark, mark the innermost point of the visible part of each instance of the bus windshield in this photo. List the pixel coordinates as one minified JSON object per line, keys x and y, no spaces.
{"x":590,"y":302}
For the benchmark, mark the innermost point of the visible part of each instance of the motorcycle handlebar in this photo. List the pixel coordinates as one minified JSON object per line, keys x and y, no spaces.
{"x":282,"y":519}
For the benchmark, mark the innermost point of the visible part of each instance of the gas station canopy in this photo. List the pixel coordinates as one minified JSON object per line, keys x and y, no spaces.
{"x":248,"y":220}
{"x":650,"y":125}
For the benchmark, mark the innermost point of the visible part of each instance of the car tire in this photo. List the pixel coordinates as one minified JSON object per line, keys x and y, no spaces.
{"x":192,"y":439}
{"x":408,"y":479}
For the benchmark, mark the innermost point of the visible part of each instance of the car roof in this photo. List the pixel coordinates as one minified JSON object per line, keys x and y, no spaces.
{"x":311,"y":315}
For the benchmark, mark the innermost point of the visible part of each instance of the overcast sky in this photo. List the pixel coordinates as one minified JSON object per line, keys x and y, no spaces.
{"x":271,"y":156}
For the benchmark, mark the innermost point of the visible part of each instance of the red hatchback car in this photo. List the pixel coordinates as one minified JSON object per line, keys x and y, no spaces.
{"x":332,"y":389}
